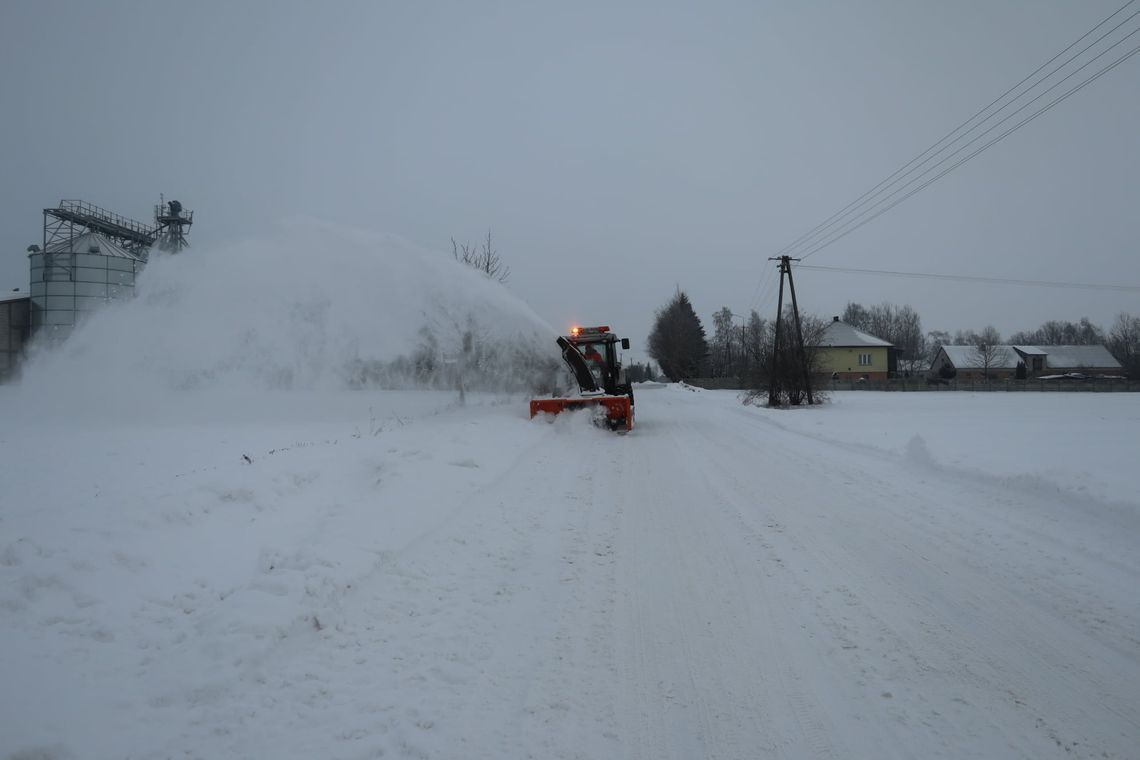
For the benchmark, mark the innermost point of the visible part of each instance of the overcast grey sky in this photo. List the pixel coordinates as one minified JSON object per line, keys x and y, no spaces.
{"x":616,"y":150}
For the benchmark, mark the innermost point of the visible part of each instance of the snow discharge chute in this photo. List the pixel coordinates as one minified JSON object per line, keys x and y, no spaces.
{"x":592,"y":355}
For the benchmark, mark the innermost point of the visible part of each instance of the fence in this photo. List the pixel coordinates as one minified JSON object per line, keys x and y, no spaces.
{"x":984,"y":386}
{"x":920,"y":385}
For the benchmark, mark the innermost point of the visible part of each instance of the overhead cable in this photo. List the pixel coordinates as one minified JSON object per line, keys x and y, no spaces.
{"x":972,"y":278}
{"x":937,"y":147}
{"x":811,"y":241}
{"x":868,"y":217}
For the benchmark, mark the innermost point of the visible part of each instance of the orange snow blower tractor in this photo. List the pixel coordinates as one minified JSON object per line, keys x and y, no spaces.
{"x":592,"y":355}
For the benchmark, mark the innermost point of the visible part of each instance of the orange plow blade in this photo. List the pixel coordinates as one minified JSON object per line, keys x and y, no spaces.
{"x":619,"y":412}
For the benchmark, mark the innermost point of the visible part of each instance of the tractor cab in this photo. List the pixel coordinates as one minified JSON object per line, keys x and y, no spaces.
{"x":597,"y":348}
{"x":592,"y":355}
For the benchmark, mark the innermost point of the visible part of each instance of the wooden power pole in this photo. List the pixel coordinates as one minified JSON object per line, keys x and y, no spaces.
{"x":800,"y":354}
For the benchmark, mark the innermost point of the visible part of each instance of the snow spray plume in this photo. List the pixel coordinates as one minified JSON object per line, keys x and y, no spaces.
{"x":313,"y":307}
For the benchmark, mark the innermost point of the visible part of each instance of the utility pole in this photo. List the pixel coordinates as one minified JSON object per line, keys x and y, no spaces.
{"x":801,"y":354}
{"x":774,"y":377}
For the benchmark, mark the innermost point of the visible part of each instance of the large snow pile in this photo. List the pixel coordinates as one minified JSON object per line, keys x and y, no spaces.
{"x":310,"y":306}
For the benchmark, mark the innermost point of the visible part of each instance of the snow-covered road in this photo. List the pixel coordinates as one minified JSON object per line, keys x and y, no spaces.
{"x":785,"y":596}
{"x":724,"y":582}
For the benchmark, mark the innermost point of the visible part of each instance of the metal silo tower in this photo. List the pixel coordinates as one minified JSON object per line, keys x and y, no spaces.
{"x":90,"y":256}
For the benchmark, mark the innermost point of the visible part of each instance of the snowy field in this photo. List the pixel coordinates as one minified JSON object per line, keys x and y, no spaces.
{"x":362,"y":574}
{"x":210,"y":548}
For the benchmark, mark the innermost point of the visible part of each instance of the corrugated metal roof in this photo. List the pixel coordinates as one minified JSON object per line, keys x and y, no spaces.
{"x":1056,"y":357}
{"x":965,"y":357}
{"x":839,"y":334}
{"x":4,"y":297}
{"x":91,"y":242}
{"x":1076,"y":357}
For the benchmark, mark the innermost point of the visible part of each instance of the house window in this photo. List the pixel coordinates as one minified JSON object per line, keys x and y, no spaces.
{"x":864,"y":360}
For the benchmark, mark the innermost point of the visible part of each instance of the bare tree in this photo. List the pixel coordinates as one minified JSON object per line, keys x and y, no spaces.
{"x":721,"y":345}
{"x":790,"y":364}
{"x":486,"y":259}
{"x":757,"y":342}
{"x":1124,"y":343}
{"x":908,"y":339}
{"x":1025,"y":338}
{"x":935,"y":340}
{"x":856,"y":315}
{"x":987,"y":350}
{"x":965,"y":338}
{"x":1058,"y":333}
{"x":899,"y":325}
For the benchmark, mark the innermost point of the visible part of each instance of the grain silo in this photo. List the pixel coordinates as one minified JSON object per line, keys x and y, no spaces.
{"x":90,"y":256}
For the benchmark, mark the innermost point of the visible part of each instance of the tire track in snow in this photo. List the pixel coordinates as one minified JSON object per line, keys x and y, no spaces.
{"x":434,"y":646}
{"x":802,"y":700}
{"x":542,"y":686}
{"x":702,"y":653}
{"x":977,"y":631}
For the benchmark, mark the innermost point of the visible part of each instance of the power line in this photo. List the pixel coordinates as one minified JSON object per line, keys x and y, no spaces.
{"x":851,"y":217}
{"x":854,"y":226}
{"x":938,"y":147}
{"x":857,"y":222}
{"x":973,"y":278}
{"x":767,"y":294}
{"x":756,"y":292}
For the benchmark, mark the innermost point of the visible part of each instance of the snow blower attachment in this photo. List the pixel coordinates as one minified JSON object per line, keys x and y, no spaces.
{"x":591,"y":354}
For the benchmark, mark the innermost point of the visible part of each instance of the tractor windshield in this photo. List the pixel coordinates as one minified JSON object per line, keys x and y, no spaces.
{"x":595,"y":355}
{"x":594,"y":352}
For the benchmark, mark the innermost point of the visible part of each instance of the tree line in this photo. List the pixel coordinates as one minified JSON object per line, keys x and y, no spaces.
{"x":741,"y":346}
{"x":743,"y":350}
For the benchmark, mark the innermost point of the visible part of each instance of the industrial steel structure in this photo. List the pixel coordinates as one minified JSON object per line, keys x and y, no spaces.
{"x":91,"y":256}
{"x":71,"y":219}
{"x":170,"y":224}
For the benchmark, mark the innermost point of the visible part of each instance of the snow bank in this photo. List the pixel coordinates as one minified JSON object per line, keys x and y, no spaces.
{"x":1081,"y":443}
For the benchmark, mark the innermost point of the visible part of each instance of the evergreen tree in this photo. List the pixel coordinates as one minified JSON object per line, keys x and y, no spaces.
{"x":677,"y":341}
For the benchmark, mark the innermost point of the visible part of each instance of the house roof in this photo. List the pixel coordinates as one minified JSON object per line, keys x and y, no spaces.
{"x":1076,"y":357}
{"x":1056,"y":357}
{"x":839,"y":334}
{"x":964,"y":357}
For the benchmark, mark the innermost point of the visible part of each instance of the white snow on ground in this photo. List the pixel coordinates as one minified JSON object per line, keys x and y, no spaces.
{"x":1007,"y":438}
{"x":209,"y":548}
{"x":392,"y":575}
